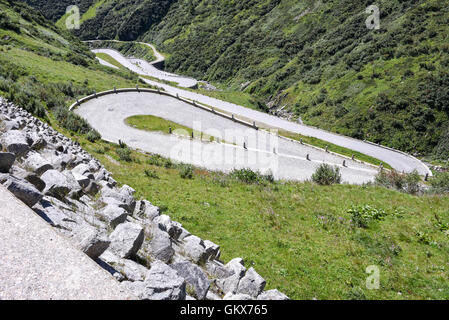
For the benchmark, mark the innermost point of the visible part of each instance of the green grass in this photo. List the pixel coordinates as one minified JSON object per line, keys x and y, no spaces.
{"x":277,"y":229}
{"x":47,"y":70}
{"x":109,"y":59}
{"x":92,"y":11}
{"x":237,"y":97}
{"x":153,"y":123}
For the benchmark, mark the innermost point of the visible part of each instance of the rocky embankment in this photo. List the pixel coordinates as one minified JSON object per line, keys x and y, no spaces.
{"x":151,"y":255}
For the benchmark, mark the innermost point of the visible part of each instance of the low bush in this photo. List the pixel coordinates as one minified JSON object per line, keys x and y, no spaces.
{"x":157,"y":160}
{"x":124,"y":154}
{"x":326,"y":175}
{"x":71,"y":121}
{"x":361,"y":216}
{"x":151,"y":174}
{"x":440,"y":183}
{"x":186,"y":171}
{"x":249,"y":176}
{"x":93,"y":135}
{"x":408,"y":183}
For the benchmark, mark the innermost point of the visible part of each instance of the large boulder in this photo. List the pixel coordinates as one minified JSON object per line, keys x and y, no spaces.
{"x":272,"y":295}
{"x":6,"y":161}
{"x":28,"y":176}
{"x":24,"y":190}
{"x":163,"y":283}
{"x":91,"y":241}
{"x":166,"y":224}
{"x":217,"y":270}
{"x":195,"y":278}
{"x":92,"y":188}
{"x":59,"y":185}
{"x":144,"y":209}
{"x":237,"y":270}
{"x":36,"y":163}
{"x":114,"y":215}
{"x":83,"y":170}
{"x":251,"y":284}
{"x":39,"y":144}
{"x":131,"y":270}
{"x":212,"y":250}
{"x":35,"y":181}
{"x":83,"y":181}
{"x":127,"y":239}
{"x":16,"y":142}
{"x":57,"y":216}
{"x":127,"y":201}
{"x":193,"y":248}
{"x":160,"y":245}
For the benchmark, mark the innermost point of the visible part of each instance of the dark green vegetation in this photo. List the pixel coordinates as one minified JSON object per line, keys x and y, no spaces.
{"x":317,"y":57}
{"x":53,"y":10}
{"x":43,"y":69}
{"x":326,"y":175}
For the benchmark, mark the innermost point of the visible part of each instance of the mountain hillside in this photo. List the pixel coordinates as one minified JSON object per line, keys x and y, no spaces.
{"x":315,"y":60}
{"x":44,"y":69}
{"x":310,"y":241}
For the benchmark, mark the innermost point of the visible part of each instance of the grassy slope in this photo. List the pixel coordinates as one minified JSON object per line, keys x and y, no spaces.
{"x":41,"y":53}
{"x":109,"y":59}
{"x":289,"y":244}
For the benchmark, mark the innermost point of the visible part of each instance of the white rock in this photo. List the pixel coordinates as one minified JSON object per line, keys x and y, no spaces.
{"x":127,"y":239}
{"x":251,"y":284}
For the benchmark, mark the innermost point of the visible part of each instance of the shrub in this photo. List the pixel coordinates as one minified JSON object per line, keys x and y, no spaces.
{"x":325,"y":175}
{"x":71,"y":121}
{"x":245,"y":175}
{"x":157,"y":160}
{"x":440,"y":183}
{"x":151,"y":174}
{"x":124,"y":154}
{"x":249,"y":176}
{"x":409,"y":183}
{"x":93,"y":135}
{"x":361,"y":216}
{"x":186,"y":172}
{"x":412,"y":182}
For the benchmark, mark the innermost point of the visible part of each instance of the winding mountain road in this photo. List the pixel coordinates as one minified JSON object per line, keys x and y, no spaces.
{"x":397,"y":160}
{"x":286,"y":159}
{"x":145,"y":68}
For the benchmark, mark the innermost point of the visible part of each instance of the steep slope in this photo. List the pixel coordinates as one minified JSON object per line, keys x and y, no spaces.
{"x":43,"y":68}
{"x":313,"y":59}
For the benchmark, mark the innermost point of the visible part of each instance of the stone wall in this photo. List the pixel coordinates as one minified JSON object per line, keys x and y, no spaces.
{"x":148,"y":253}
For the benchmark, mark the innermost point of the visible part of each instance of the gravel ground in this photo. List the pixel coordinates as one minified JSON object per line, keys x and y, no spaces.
{"x":38,"y":264}
{"x":289,"y":162}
